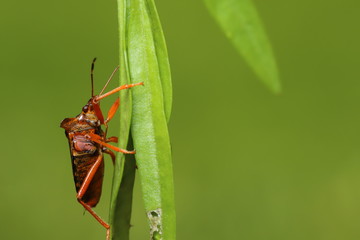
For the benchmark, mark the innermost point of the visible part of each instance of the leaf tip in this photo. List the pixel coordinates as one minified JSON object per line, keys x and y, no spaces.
{"x":270,"y":78}
{"x":276,"y":86}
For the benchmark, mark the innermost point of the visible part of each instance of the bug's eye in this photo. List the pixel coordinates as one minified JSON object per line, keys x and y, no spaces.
{"x":85,"y":108}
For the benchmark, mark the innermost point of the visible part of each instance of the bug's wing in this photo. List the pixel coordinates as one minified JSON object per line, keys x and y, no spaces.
{"x":67,"y":123}
{"x":81,"y":166}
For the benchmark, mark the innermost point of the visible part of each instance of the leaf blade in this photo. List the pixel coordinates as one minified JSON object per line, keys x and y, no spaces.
{"x":149,"y":123}
{"x":162,"y":57}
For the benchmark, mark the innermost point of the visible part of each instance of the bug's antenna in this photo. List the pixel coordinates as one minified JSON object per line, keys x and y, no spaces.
{"x":92,"y":77}
{"x":111,"y":76}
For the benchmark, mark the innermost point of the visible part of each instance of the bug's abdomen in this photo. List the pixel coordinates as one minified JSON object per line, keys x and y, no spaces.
{"x":81,"y":167}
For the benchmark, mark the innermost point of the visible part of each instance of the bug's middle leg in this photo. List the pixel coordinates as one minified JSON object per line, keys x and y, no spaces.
{"x":96,"y":138}
{"x":112,"y":155}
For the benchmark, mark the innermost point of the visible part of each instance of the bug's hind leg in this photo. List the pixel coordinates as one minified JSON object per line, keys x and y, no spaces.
{"x":102,"y":222}
{"x":83,"y":189}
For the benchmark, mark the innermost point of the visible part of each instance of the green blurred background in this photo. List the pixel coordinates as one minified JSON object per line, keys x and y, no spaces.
{"x":248,"y":164}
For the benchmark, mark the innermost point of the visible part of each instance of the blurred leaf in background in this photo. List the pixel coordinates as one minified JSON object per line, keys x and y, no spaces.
{"x":242,"y":25}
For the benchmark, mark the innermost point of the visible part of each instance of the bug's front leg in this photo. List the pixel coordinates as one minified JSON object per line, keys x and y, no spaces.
{"x":112,"y":111}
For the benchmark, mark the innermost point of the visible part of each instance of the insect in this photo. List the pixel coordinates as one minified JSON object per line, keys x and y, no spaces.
{"x":88,"y":143}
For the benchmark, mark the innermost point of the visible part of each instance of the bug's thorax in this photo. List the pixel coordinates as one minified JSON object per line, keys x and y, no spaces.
{"x":89,"y":120}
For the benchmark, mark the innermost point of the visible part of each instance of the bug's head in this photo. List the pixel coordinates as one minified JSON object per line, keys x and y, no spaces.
{"x":91,"y":113}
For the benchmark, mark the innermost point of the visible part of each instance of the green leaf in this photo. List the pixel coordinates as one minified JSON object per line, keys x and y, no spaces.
{"x":149,"y":122}
{"x":143,"y":58}
{"x":241,"y":24}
